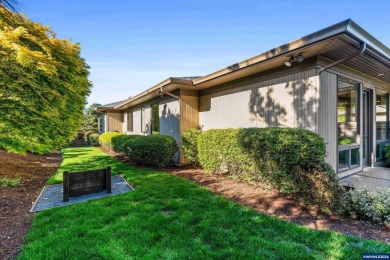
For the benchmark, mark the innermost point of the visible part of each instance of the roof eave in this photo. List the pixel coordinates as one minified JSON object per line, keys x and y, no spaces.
{"x":156,"y":87}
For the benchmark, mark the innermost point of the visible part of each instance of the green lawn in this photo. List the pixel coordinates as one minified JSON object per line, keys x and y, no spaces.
{"x":171,"y":218}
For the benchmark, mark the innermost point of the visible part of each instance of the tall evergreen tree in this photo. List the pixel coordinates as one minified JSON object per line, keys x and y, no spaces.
{"x":90,"y":120}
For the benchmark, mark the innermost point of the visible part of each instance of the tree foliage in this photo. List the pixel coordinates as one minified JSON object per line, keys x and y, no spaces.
{"x":90,"y":120}
{"x":43,"y":86}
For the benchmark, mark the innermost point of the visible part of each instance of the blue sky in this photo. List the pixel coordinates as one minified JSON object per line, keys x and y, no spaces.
{"x":133,"y":45}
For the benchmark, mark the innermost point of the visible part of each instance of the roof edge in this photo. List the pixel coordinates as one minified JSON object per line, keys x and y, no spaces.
{"x":164,"y":83}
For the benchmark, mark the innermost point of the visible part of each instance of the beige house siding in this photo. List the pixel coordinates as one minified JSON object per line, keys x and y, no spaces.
{"x":189,"y":114}
{"x":114,"y":122}
{"x":169,"y":113}
{"x":327,"y":112}
{"x":286,"y":101}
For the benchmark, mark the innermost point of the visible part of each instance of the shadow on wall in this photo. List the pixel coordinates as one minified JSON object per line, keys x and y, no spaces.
{"x":272,"y":108}
{"x":305,"y":103}
{"x":266,"y":108}
{"x":170,"y":125}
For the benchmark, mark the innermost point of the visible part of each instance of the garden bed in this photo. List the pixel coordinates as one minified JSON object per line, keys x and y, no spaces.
{"x":15,"y":202}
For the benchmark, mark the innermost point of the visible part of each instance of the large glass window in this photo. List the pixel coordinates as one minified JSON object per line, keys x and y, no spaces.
{"x":382,"y":124}
{"x":348,"y":125}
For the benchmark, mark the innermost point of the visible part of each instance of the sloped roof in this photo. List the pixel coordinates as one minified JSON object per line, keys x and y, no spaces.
{"x":333,"y":42}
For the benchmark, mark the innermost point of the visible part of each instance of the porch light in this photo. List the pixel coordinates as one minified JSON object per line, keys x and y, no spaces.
{"x":298,"y":58}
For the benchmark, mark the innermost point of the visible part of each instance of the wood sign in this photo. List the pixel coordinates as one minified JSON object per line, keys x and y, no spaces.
{"x":86,"y":182}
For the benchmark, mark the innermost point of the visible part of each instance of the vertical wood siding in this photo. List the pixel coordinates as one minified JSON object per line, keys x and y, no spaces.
{"x":114,"y":122}
{"x":189,"y":114}
{"x":327,"y":112}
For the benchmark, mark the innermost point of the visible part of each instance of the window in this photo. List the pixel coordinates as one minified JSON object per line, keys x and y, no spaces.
{"x":155,"y":119}
{"x":382,"y":125}
{"x":347,"y":113}
{"x":130,"y":121}
{"x":348,"y":125}
{"x":143,"y":123}
{"x":101,"y":123}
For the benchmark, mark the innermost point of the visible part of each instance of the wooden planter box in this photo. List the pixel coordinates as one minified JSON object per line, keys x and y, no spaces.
{"x":86,"y":182}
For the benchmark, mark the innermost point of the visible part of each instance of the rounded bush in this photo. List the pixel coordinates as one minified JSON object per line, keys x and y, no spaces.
{"x":154,"y":150}
{"x":120,"y":142}
{"x":288,"y":159}
{"x":105,"y":138}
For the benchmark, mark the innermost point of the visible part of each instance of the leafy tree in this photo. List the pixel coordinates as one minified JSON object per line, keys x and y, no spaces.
{"x":90,"y":120}
{"x":9,"y":6}
{"x":43,"y":86}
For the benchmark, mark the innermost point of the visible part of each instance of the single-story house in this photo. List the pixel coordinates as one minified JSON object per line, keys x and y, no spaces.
{"x":335,"y":82}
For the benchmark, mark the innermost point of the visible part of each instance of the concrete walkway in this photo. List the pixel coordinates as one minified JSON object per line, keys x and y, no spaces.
{"x":370,"y":178}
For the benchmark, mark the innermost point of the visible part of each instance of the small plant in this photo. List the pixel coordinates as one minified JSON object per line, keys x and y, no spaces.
{"x":368,"y":205}
{"x":190,"y":145}
{"x":8,"y":182}
{"x":92,"y":139}
{"x":105,"y":138}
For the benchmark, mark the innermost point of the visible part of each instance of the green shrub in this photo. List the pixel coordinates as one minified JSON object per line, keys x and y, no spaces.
{"x":120,"y":142}
{"x":288,"y":159}
{"x":368,"y":205}
{"x":154,"y":150}
{"x":8,"y":182}
{"x":105,"y":138}
{"x":93,"y":139}
{"x":189,"y":143}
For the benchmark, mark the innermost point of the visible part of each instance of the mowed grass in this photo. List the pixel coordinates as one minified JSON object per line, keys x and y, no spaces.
{"x":167,"y":217}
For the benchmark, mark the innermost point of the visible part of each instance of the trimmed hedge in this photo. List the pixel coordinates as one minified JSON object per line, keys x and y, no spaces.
{"x":288,"y":159}
{"x":153,"y":150}
{"x":120,"y":142}
{"x":189,"y":144}
{"x":105,"y":138}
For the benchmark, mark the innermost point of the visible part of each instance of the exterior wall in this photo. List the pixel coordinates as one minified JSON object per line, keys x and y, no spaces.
{"x":137,"y":128}
{"x":327,"y":112}
{"x":114,"y":122}
{"x":169,"y":112}
{"x":189,"y":111}
{"x":284,"y":101}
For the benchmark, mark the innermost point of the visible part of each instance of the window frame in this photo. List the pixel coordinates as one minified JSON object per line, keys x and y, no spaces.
{"x":351,"y":146}
{"x":382,"y":143}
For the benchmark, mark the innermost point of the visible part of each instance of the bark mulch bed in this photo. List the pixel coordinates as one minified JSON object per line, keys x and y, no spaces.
{"x":15,"y":202}
{"x":272,"y":203}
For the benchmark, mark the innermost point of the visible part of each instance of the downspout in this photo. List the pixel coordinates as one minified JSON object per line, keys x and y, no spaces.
{"x":363,"y":47}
